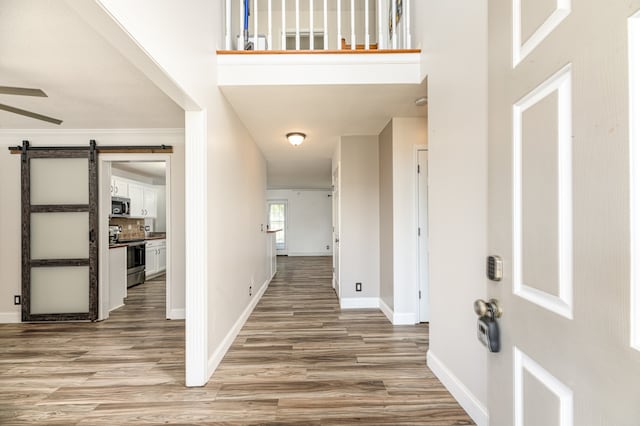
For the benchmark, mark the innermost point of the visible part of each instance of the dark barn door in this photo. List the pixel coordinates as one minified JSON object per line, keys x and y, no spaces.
{"x":59,"y":234}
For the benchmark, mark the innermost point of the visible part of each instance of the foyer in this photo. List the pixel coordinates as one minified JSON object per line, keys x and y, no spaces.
{"x":299,"y":359}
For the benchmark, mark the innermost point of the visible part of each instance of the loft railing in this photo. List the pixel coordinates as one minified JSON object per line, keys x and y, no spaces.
{"x":319,"y":24}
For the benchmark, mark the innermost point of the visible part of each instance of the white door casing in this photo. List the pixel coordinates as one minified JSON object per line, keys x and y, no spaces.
{"x":559,"y":213}
{"x":423,"y":235}
{"x":336,"y":230}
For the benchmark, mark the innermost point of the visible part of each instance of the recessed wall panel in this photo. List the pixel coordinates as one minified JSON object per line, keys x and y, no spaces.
{"x":59,"y":181}
{"x":540,"y":195}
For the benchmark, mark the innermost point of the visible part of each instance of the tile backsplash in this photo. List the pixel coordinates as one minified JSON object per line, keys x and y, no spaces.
{"x":132,"y":229}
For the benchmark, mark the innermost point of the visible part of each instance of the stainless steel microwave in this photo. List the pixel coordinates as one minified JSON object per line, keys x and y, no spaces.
{"x":120,"y":207}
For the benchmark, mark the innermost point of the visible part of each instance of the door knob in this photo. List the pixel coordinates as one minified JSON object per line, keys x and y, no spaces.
{"x":490,"y":309}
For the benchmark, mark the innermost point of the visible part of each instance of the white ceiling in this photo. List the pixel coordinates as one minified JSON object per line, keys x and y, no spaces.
{"x":155,"y":171}
{"x":46,"y":45}
{"x":323,"y":113}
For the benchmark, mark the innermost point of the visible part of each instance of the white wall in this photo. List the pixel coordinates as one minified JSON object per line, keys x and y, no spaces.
{"x":183,"y":41}
{"x":385,"y":153}
{"x":398,"y":220}
{"x":309,"y":221}
{"x":359,"y":217}
{"x":10,"y":218}
{"x":408,"y":134}
{"x":453,"y":38}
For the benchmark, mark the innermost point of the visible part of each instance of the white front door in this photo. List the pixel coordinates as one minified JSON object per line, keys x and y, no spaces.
{"x":559,"y":213}
{"x":423,"y":235}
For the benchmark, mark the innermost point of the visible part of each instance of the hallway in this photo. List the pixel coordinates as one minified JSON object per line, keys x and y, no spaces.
{"x":299,"y":359}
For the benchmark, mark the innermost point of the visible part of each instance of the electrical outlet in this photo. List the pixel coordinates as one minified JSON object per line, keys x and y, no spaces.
{"x":17,"y":300}
{"x":250,"y":290}
{"x":358,"y":286}
{"x":327,"y":246}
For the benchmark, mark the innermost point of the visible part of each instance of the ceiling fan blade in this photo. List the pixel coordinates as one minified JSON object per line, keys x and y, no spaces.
{"x":29,"y":114}
{"x":6,"y":90}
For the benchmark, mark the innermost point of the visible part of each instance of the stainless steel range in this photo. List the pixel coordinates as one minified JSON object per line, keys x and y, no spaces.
{"x":135,"y":262}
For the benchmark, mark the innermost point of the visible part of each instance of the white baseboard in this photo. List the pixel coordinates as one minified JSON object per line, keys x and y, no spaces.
{"x":359,"y":302}
{"x":476,"y":410}
{"x":386,"y":310}
{"x":220,"y":352}
{"x":10,"y":317}
{"x":397,"y":318}
{"x":408,"y":318}
{"x":176,"y":314}
{"x":318,"y":253}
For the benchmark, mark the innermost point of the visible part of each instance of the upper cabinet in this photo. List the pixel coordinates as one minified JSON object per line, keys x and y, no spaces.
{"x":119,"y":187}
{"x":143,"y":200}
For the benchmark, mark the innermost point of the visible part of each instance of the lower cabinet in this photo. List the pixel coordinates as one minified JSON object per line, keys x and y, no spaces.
{"x":155,"y":258}
{"x":117,"y":277}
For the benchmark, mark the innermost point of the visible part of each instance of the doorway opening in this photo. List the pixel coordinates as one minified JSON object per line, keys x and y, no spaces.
{"x":277,"y":220}
{"x":135,"y":228}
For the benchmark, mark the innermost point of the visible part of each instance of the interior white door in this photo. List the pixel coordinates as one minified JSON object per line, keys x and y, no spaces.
{"x":423,"y":236}
{"x":559,"y":213}
{"x":336,"y":231}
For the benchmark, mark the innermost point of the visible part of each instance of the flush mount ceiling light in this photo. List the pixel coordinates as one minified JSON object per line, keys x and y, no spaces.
{"x":296,"y":138}
{"x":421,"y":101}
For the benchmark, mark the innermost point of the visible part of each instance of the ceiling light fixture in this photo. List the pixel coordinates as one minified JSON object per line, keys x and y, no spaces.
{"x":421,"y":101}
{"x":296,"y":138}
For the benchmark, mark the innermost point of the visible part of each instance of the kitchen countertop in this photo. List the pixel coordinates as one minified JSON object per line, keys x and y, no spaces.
{"x":118,"y":245}
{"x":156,"y":237}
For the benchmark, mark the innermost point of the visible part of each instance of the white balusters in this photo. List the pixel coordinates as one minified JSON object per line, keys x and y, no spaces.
{"x":270,"y":31}
{"x":227,"y":29}
{"x":297,"y":24}
{"x":339,"y":19}
{"x":394,"y":31}
{"x":283,"y":29}
{"x":353,"y":25}
{"x":383,"y":32}
{"x":407,"y":24}
{"x":366,"y":25}
{"x":311,"y":25}
{"x":241,"y":16}
{"x":255,"y":25}
{"x":326,"y":27}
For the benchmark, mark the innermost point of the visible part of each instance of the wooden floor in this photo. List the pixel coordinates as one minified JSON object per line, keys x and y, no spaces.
{"x":298,"y":360}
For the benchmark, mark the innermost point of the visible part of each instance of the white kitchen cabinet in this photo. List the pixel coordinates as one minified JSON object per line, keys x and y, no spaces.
{"x":156,"y":258}
{"x":119,"y":187}
{"x":150,"y":203}
{"x":136,"y":195}
{"x":117,"y":277}
{"x":143,"y":201}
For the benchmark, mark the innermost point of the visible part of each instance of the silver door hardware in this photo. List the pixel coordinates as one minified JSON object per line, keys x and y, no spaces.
{"x":488,"y":330}
{"x":494,"y":268}
{"x":490,"y":309}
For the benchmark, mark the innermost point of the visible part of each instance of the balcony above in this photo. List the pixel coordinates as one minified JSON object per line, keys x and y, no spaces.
{"x":303,"y":42}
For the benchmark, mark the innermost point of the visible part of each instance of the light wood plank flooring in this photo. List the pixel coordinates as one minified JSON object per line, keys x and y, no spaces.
{"x":298,"y":360}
